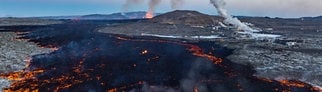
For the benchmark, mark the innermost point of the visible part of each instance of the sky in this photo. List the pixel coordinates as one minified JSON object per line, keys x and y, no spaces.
{"x":271,"y":8}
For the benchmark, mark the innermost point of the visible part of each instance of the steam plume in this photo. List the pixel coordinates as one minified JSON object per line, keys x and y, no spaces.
{"x":220,"y":6}
{"x":176,"y":4}
{"x":152,"y":5}
{"x":129,"y":3}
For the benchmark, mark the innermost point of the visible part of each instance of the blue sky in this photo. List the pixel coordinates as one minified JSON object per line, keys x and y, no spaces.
{"x":272,"y":8}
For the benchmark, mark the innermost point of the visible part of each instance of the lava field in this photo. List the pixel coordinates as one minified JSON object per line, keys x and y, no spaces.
{"x":88,"y":61}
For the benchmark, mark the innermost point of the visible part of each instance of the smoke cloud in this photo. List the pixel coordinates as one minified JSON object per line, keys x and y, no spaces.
{"x":191,"y":83}
{"x":130,"y":3}
{"x":220,"y":6}
{"x":176,"y":4}
{"x":153,"y":4}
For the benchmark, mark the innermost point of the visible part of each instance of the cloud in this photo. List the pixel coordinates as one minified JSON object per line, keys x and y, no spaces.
{"x":281,"y":8}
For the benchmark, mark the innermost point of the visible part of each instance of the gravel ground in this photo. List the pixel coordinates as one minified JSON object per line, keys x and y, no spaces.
{"x":14,"y":54}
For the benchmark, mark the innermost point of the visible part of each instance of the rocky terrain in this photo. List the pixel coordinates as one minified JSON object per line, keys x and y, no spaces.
{"x":297,"y":54}
{"x":26,"y":21}
{"x":15,"y":53}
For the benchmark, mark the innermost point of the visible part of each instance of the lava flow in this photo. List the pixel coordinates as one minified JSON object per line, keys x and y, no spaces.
{"x":88,"y":61}
{"x":198,"y":52}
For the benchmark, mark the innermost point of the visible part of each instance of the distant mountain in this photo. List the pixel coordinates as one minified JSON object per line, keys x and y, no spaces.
{"x":114,"y":16}
{"x":58,"y":17}
{"x":312,"y":18}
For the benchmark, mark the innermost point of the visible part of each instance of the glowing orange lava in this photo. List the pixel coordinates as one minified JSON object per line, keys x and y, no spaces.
{"x":197,"y":51}
{"x":21,"y":77}
{"x":195,"y":89}
{"x":144,"y":52}
{"x":149,"y":15}
{"x":292,"y":83}
{"x":121,"y":89}
{"x":319,"y":89}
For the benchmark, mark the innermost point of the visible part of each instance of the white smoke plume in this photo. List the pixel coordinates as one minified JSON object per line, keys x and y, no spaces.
{"x":176,"y":4}
{"x":130,"y":3}
{"x":220,"y":6}
{"x":153,"y":4}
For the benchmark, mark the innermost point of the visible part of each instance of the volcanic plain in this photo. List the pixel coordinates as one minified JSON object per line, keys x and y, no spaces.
{"x":294,"y":54}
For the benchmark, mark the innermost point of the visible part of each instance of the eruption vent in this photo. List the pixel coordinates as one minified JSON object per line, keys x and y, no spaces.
{"x":220,"y":6}
{"x":149,"y":14}
{"x":152,"y":5}
{"x":175,"y":4}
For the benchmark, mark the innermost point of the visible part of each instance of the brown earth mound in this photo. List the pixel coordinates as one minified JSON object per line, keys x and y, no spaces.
{"x":186,"y":17}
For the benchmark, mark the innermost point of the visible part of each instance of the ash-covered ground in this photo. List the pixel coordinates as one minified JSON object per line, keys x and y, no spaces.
{"x":296,"y":54}
{"x":14,"y":52}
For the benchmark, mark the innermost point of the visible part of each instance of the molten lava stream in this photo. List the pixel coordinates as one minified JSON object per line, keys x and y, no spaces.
{"x":20,"y":78}
{"x":197,"y":51}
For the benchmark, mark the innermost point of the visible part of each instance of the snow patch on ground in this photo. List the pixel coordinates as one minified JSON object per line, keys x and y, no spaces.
{"x":260,"y":35}
{"x":172,"y":36}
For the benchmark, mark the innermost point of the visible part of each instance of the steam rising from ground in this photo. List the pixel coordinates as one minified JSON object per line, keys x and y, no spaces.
{"x":189,"y":84}
{"x":220,"y":6}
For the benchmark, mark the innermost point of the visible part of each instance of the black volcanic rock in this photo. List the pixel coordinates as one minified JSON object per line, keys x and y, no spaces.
{"x":89,"y":61}
{"x":312,"y":18}
{"x":103,"y":17}
{"x":271,"y":59}
{"x":192,"y":18}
